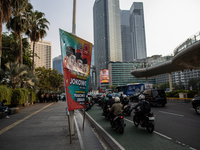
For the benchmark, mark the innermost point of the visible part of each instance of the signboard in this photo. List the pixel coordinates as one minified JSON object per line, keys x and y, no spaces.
{"x":104,"y":76}
{"x":76,"y":56}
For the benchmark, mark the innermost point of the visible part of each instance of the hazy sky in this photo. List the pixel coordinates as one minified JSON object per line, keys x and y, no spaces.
{"x":167,"y":22}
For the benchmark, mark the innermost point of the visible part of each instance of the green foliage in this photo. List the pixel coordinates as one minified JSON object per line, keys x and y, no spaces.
{"x":194,"y":83}
{"x":33,"y":95}
{"x":12,"y":53}
{"x":49,"y":80}
{"x":5,"y":93}
{"x":164,"y":86}
{"x":190,"y":94}
{"x":19,"y":96}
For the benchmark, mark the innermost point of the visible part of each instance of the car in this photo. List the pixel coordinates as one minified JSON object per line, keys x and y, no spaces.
{"x":97,"y":97}
{"x":196,"y":104}
{"x":134,"y":96}
{"x":155,"y":97}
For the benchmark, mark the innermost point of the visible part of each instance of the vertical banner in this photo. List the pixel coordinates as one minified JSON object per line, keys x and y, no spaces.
{"x":76,"y":55}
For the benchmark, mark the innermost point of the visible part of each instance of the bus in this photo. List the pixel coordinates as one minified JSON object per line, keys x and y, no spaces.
{"x":129,"y":89}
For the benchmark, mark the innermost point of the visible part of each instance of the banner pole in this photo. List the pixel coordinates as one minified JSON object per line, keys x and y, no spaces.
{"x":69,"y":129}
{"x":83,"y":118}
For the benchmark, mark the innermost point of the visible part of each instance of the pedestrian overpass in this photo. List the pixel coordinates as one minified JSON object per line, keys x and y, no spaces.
{"x":186,"y":56}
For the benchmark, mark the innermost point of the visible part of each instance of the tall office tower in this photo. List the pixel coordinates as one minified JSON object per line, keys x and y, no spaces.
{"x":137,"y":29}
{"x":127,"y":52}
{"x":107,"y":33}
{"x":44,"y":50}
{"x":57,"y":64}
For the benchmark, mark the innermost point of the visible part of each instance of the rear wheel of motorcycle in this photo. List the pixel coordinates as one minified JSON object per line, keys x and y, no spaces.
{"x":121,"y":130}
{"x":135,"y":120}
{"x":150,"y":128}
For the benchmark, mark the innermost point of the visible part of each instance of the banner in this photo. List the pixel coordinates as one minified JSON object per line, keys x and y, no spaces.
{"x":76,"y":57}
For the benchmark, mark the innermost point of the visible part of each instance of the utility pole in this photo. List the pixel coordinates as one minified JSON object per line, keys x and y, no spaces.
{"x":71,"y":113}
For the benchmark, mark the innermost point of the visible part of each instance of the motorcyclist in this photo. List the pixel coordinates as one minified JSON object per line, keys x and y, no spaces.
{"x":143,"y":107}
{"x":117,"y":108}
{"x":110,"y":101}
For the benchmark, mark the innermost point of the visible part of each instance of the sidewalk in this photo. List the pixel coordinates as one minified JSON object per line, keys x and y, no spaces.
{"x":45,"y":126}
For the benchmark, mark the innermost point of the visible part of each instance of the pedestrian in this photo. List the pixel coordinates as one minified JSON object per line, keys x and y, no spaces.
{"x":4,"y":108}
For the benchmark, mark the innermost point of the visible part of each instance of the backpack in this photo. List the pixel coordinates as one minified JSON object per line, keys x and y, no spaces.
{"x":146,"y":107}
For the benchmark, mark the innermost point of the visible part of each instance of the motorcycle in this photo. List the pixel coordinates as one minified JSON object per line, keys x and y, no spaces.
{"x":118,"y":123}
{"x":127,"y":110}
{"x":106,"y":113}
{"x":146,"y":122}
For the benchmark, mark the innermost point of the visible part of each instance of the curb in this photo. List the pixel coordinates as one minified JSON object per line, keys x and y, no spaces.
{"x":114,"y":145}
{"x":10,"y":111}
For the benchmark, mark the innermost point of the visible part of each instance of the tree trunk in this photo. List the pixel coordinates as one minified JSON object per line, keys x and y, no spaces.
{"x":21,"y":52}
{"x":1,"y":22}
{"x":33,"y":56}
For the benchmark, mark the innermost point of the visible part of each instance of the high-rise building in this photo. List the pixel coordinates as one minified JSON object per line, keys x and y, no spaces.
{"x":57,"y":64}
{"x":43,"y":49}
{"x":137,"y":30}
{"x":107,"y":33}
{"x":127,"y":52}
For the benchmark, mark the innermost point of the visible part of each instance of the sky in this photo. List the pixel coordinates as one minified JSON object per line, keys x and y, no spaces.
{"x":167,"y":22}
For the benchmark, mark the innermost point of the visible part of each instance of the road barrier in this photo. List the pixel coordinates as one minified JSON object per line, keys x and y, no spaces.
{"x":179,"y":100}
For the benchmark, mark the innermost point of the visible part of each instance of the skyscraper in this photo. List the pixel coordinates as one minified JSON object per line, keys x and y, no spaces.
{"x":127,"y":51}
{"x":57,"y":64}
{"x":107,"y":33}
{"x":43,"y":49}
{"x":137,"y":30}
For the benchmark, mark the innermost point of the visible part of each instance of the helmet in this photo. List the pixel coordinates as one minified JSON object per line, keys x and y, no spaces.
{"x":109,"y":96}
{"x":117,"y":100}
{"x":141,"y":97}
{"x":106,"y":98}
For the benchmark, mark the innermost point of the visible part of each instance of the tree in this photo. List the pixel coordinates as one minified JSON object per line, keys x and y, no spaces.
{"x":5,"y":13}
{"x":164,"y":86}
{"x":49,"y":80}
{"x":37,"y":26}
{"x":18,"y":21}
{"x":193,"y":83}
{"x":17,"y":75}
{"x":12,"y":41}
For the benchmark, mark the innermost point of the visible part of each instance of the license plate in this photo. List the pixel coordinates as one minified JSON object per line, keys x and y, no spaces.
{"x":151,"y":118}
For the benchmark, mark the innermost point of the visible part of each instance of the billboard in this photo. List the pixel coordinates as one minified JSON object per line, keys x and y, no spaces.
{"x":104,"y":76}
{"x":76,"y":58}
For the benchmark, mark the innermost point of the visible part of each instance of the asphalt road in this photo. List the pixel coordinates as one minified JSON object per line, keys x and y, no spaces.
{"x":178,"y":122}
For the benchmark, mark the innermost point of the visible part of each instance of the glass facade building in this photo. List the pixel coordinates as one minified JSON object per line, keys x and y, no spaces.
{"x":137,"y":30}
{"x":127,"y":52}
{"x":119,"y":73}
{"x":107,"y":33}
{"x":57,"y":64}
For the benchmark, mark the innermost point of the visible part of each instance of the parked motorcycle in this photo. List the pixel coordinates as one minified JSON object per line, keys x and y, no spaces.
{"x":118,"y":123}
{"x":146,"y":122}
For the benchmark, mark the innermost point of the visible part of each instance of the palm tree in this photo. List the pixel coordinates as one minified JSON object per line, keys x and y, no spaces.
{"x":5,"y":13}
{"x":17,"y":75}
{"x":18,"y":21}
{"x":37,"y":28}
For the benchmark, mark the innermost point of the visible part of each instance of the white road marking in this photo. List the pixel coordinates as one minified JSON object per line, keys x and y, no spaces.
{"x":154,"y":131}
{"x":122,"y":148}
{"x":171,"y":113}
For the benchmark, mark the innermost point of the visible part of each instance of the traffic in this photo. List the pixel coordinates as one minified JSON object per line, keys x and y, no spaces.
{"x":153,"y":120}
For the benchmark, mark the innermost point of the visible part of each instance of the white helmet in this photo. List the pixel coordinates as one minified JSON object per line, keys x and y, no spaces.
{"x":117,"y":100}
{"x":141,"y":97}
